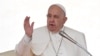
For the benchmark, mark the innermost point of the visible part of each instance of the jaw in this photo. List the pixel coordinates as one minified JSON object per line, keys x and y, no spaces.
{"x":52,"y":28}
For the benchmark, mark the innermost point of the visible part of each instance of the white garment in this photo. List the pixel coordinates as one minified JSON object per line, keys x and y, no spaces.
{"x":41,"y":45}
{"x":56,"y":40}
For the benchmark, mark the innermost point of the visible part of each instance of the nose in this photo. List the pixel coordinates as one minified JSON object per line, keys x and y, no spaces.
{"x":51,"y":19}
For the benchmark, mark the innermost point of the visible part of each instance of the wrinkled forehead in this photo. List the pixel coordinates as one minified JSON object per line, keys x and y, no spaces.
{"x":60,"y":6}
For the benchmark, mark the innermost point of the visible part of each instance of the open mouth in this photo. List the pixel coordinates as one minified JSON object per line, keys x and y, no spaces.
{"x":51,"y":25}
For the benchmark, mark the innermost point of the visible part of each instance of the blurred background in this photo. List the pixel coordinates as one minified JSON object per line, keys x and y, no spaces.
{"x":83,"y":15}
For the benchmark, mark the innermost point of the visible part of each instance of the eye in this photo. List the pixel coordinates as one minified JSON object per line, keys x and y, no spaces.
{"x":56,"y":16}
{"x":48,"y":15}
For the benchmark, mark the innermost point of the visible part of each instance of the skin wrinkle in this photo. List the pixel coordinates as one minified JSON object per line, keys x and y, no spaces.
{"x":55,"y":18}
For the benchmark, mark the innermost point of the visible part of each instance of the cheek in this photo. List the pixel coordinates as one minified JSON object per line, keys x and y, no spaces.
{"x":59,"y":22}
{"x":47,"y":21}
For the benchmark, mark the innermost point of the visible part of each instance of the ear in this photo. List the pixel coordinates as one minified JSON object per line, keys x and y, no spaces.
{"x":65,"y":19}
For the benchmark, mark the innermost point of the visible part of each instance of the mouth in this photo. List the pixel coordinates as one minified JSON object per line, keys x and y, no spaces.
{"x":52,"y":25}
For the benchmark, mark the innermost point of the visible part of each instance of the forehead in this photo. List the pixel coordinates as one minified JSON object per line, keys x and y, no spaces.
{"x":55,"y":9}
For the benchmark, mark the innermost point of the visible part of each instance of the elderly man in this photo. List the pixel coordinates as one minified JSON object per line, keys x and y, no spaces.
{"x":46,"y":41}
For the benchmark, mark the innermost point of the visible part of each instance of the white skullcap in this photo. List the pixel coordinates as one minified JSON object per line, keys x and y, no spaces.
{"x":60,"y":6}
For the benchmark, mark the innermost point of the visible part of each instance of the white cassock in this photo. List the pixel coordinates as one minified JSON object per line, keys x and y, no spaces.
{"x":45,"y":43}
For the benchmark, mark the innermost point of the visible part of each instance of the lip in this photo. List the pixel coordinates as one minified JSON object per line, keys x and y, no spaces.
{"x":51,"y":24}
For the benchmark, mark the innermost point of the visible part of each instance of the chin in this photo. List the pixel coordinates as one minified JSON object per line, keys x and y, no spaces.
{"x":52,"y":29}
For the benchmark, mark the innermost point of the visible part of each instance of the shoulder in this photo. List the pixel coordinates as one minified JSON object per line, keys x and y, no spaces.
{"x":41,"y":31}
{"x":40,"y":34}
{"x":76,"y":35}
{"x":73,"y":31}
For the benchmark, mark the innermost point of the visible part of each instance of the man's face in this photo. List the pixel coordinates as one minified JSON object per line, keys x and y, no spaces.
{"x":55,"y":18}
